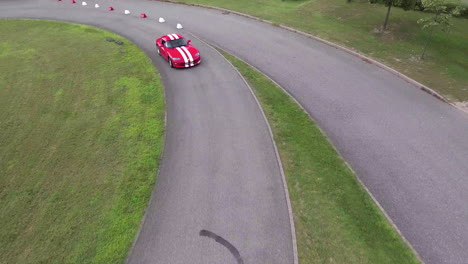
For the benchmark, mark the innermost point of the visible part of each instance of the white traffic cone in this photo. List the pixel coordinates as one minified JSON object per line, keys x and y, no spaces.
{"x":161,"y":20}
{"x":84,"y":3}
{"x":179,"y":26}
{"x":96,"y":6}
{"x":126,"y":12}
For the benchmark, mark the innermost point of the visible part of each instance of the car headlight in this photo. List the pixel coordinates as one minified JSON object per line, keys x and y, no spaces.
{"x":197,"y":54}
{"x":176,"y":58}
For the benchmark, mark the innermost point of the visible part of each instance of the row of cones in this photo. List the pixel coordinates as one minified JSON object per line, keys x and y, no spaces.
{"x":110,"y":8}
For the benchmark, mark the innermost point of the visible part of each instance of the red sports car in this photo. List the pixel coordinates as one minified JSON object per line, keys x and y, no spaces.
{"x":177,"y":51}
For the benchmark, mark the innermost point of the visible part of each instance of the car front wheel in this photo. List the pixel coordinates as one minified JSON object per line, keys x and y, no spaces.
{"x":170,"y":63}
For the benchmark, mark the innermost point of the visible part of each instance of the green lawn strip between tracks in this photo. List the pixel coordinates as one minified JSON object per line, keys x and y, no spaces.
{"x":352,"y":25}
{"x":81,"y":133}
{"x":336,"y":220}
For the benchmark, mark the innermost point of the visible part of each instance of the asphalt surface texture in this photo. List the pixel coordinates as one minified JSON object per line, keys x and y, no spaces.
{"x":409,"y":149}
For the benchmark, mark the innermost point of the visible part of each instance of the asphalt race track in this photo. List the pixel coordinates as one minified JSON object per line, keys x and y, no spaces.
{"x":219,"y":171}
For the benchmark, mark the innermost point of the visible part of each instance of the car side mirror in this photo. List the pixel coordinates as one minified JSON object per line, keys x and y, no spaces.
{"x":189,"y":41}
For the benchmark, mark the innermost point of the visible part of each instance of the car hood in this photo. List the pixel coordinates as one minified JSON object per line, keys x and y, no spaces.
{"x":176,"y":52}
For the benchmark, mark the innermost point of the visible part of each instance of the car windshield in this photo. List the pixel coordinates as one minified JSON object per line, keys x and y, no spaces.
{"x":176,"y":43}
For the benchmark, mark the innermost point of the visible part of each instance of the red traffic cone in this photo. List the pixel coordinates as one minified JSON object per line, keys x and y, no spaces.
{"x":143,"y":15}
{"x":59,"y":0}
{"x":73,"y":1}
{"x":110,"y":8}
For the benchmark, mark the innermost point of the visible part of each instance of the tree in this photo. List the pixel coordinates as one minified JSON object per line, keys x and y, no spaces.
{"x":440,"y":19}
{"x":388,"y":3}
{"x":405,"y":4}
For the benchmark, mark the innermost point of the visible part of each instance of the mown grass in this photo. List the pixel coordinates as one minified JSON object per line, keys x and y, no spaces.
{"x":81,"y":132}
{"x":336,"y":221}
{"x":445,"y":68}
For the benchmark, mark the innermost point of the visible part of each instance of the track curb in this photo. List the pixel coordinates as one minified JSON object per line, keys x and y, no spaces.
{"x":331,"y":44}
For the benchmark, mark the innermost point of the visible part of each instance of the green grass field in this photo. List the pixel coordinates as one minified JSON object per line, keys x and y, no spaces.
{"x":352,"y":24}
{"x":82,"y":124}
{"x":336,"y":221}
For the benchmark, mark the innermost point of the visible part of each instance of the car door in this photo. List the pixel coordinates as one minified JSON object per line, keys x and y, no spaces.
{"x":162,"y":49}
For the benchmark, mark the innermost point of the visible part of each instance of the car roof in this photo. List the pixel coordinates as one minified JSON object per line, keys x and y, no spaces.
{"x":171,"y":37}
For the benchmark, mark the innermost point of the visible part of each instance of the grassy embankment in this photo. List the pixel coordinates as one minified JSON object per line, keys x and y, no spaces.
{"x":336,"y":220}
{"x":352,"y":24}
{"x":81,"y":132}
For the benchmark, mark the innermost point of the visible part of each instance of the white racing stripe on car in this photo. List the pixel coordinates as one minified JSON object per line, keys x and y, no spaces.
{"x":171,"y":37}
{"x":189,"y":55}
{"x":175,"y":36}
{"x":183,"y":56}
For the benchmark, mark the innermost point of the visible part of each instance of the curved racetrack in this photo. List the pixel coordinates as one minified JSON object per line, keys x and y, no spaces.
{"x":219,"y":171}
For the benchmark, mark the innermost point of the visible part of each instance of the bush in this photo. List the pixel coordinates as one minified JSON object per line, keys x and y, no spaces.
{"x":463,"y":12}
